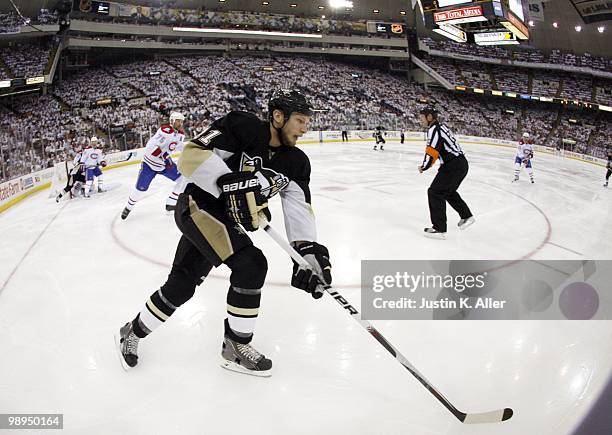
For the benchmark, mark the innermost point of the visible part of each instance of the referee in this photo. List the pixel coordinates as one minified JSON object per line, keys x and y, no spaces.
{"x":442,"y":145}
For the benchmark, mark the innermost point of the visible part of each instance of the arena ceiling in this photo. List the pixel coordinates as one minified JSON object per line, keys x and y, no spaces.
{"x":544,"y":35}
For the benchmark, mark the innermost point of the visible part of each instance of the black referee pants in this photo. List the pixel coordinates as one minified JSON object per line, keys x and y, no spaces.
{"x":444,"y":189}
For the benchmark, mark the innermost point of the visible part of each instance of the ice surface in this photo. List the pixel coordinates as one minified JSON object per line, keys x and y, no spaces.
{"x":72,"y":273}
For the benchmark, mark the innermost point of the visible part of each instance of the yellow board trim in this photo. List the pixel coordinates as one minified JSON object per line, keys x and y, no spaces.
{"x":23,"y":196}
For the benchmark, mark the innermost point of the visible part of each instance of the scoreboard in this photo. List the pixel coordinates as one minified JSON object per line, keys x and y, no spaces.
{"x":500,"y":21}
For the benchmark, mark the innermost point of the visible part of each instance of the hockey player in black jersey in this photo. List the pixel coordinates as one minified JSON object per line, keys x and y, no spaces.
{"x":76,"y":178}
{"x":233,"y":169}
{"x":608,"y":168}
{"x":379,"y":136}
{"x":442,"y":145}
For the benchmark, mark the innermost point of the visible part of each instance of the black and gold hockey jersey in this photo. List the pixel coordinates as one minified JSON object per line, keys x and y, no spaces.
{"x":241,"y":142}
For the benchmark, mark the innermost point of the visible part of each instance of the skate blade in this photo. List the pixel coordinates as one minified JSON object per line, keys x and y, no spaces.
{"x":118,"y":348}
{"x":437,"y":236}
{"x":232,"y":366}
{"x":467,"y":224}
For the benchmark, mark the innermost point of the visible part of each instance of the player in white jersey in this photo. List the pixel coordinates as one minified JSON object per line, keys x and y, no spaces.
{"x":157,"y":161}
{"x":91,"y":159}
{"x":524,"y":154}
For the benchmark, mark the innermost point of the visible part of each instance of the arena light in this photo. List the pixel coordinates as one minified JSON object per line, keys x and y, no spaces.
{"x":35,"y":80}
{"x":578,"y":28}
{"x":247,"y":32}
{"x":605,"y":108}
{"x":479,"y":91}
{"x":337,"y":4}
{"x":497,"y":93}
{"x":601,"y":29}
{"x":5,"y":84}
{"x":531,"y":23}
{"x":556,"y":25}
{"x":293,"y":5}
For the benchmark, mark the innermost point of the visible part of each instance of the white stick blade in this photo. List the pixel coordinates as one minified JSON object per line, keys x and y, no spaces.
{"x":489,"y":417}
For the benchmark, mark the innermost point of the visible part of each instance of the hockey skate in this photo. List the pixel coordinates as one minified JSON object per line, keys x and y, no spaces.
{"x":124,"y":214}
{"x":127,"y":346}
{"x":464,"y":223}
{"x":244,"y":358}
{"x":515,"y":179}
{"x":375,"y":148}
{"x":170,"y":208}
{"x":434,"y":234}
{"x":606,"y":184}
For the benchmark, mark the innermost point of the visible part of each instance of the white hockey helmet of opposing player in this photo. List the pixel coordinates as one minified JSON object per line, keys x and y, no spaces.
{"x":526,"y":135}
{"x":176,"y":116}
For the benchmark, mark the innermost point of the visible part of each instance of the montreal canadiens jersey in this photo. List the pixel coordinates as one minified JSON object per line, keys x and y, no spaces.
{"x":160,"y":146}
{"x":241,"y":142}
{"x":524,"y":150}
{"x":91,"y":157}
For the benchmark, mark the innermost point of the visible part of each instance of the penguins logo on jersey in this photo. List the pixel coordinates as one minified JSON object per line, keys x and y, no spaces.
{"x":271,"y":182}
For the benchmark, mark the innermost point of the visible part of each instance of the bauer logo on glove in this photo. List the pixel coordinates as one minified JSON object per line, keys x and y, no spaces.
{"x":243,"y":199}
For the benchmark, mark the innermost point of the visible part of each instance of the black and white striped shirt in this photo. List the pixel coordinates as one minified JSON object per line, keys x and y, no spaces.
{"x":441,"y":144}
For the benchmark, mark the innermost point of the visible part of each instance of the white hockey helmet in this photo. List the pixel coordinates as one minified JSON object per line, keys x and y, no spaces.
{"x":176,"y":116}
{"x":94,"y":139}
{"x":526,"y":135}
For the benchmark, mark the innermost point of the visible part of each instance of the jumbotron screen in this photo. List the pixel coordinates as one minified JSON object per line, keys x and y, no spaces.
{"x":515,"y":6}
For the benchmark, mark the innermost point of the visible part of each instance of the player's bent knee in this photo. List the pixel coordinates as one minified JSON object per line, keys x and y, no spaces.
{"x":180,"y":286}
{"x":249,"y":268}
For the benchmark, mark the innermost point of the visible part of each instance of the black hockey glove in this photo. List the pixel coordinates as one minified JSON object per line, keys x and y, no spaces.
{"x":243,"y":199}
{"x":318,"y":257}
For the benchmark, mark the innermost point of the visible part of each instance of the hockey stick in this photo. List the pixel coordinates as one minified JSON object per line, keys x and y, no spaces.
{"x":483,"y":417}
{"x":129,"y":156}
